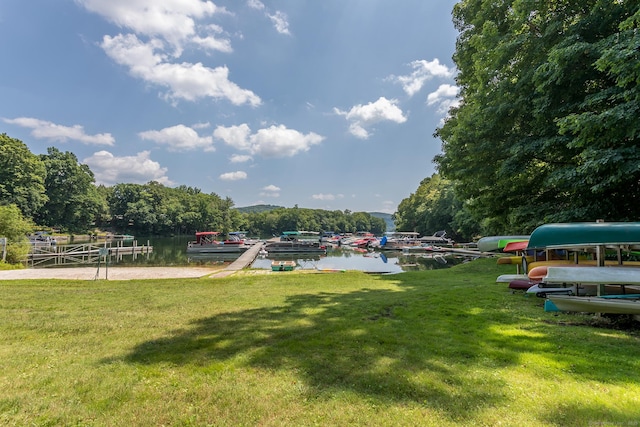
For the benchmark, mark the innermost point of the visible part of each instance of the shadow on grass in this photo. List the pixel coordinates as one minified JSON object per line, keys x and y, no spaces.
{"x":435,"y":346}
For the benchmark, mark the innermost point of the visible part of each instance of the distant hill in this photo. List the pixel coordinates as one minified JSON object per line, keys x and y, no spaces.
{"x":388,"y":218}
{"x":265,"y":208}
{"x":257,"y":208}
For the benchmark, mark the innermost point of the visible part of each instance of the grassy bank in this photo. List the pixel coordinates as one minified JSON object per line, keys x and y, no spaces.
{"x":446,"y":347}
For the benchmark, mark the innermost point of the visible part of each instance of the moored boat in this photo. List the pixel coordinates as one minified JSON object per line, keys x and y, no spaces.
{"x":286,"y":265}
{"x":210,"y":242}
{"x":295,"y":242}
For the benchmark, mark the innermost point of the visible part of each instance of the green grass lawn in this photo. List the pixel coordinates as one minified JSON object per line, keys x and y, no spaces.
{"x":443,"y":347}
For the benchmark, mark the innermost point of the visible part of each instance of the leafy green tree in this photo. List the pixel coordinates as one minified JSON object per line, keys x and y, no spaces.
{"x":541,"y":132}
{"x":434,"y":207}
{"x":73,"y":200}
{"x":15,"y":227}
{"x":22,"y":176}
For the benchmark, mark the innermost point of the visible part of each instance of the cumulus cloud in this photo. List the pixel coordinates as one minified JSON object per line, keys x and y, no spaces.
{"x":275,"y":141}
{"x":201,"y":125}
{"x":444,"y":97}
{"x":43,"y":129}
{"x":270,"y":191}
{"x":362,"y":116}
{"x":139,"y":169}
{"x":388,"y":206}
{"x":279,"y":19}
{"x":240,"y":158}
{"x":179,"y":138}
{"x":255,"y":4}
{"x":233,"y":176}
{"x":184,"y":81}
{"x":327,"y":196}
{"x":422,"y":72}
{"x":280,"y":22}
{"x":177,"y":22}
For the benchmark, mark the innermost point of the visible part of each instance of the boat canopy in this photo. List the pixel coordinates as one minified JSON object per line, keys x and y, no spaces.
{"x":585,"y":234}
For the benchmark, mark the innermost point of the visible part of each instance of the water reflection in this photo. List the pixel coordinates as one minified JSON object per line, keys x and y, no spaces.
{"x":171,"y":251}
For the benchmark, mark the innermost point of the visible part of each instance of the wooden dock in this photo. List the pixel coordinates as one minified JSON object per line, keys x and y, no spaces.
{"x":243,"y":261}
{"x":86,"y":253}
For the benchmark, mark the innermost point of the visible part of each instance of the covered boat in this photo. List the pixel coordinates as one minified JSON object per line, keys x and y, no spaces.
{"x":296,"y":242}
{"x":211,"y":242}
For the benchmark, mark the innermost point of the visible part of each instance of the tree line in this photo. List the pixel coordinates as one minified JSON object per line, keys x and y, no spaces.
{"x":546,"y":129}
{"x":55,"y":190}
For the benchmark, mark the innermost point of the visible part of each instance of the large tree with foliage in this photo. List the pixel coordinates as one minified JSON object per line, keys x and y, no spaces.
{"x":434,"y":207}
{"x":545,"y":129}
{"x":15,"y":227}
{"x":74,"y":201}
{"x":22,"y":176}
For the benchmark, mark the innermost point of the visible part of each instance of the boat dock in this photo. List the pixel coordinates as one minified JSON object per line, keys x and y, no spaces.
{"x":83,"y":253}
{"x":243,"y":261}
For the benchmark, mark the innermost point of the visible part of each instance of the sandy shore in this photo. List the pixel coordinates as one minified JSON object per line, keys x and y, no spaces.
{"x":112,"y":273}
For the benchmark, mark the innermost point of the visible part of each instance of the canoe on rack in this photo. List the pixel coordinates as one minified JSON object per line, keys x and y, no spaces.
{"x":585,"y":235}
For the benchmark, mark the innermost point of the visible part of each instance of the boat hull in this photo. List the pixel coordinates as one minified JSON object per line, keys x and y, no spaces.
{"x":295,"y":247}
{"x":216,"y":249}
{"x":585,"y":234}
{"x":283,"y":265}
{"x":595,"y":304}
{"x":594,"y":275}
{"x":498,"y":243}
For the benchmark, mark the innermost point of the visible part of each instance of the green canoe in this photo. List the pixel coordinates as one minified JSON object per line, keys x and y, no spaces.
{"x":585,"y":234}
{"x":497,"y":243}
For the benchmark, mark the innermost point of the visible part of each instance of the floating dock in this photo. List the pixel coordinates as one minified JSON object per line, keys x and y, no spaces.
{"x":243,"y":261}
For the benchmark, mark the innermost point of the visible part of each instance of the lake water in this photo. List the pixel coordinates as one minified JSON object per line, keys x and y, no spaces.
{"x":171,"y":251}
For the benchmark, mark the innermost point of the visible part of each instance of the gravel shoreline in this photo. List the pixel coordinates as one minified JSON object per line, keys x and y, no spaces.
{"x":112,"y":273}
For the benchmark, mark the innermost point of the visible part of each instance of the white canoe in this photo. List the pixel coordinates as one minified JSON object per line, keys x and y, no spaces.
{"x":595,"y":304}
{"x":508,"y":278}
{"x":594,"y":275}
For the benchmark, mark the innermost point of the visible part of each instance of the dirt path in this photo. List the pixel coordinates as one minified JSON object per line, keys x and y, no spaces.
{"x":112,"y":273}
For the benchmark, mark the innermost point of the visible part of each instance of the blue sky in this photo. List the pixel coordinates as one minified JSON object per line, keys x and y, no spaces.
{"x":322,"y":104}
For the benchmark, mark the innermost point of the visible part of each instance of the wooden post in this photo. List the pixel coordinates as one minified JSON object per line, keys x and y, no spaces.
{"x":3,"y":243}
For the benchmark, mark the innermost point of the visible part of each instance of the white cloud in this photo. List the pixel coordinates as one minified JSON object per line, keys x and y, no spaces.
{"x":176,"y":21}
{"x":422,"y":72}
{"x":185,"y":80}
{"x":139,"y":169}
{"x":255,"y":4}
{"x":275,"y":141}
{"x":444,"y":97}
{"x":179,"y":138}
{"x":43,"y":129}
{"x":280,"y":22}
{"x":326,"y":196}
{"x":278,"y":19}
{"x":201,"y":125}
{"x":240,"y":158}
{"x":388,"y":206}
{"x":270,"y":191}
{"x":361,"y":116}
{"x":233,"y":176}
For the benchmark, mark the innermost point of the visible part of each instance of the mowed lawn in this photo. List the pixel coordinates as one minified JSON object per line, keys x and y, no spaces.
{"x":435,"y":348}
